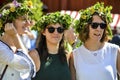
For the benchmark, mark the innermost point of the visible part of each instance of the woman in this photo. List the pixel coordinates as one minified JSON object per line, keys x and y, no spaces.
{"x":95,"y":59}
{"x":50,"y":54}
{"x":15,"y":63}
{"x":70,"y":39}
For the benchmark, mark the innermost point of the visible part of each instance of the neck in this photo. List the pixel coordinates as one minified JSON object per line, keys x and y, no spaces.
{"x":52,"y":49}
{"x":93,"y":46}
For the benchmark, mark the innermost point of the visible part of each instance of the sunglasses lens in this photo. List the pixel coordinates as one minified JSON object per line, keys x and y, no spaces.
{"x":60,"y":30}
{"x":94,"y":25}
{"x":51,"y":29}
{"x":103,"y":25}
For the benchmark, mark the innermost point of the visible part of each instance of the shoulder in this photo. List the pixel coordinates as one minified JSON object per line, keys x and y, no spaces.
{"x":78,"y":50}
{"x":110,"y":48}
{"x":111,"y":45}
{"x":34,"y":53}
{"x":3,"y":44}
{"x":68,"y":56}
{"x":35,"y":56}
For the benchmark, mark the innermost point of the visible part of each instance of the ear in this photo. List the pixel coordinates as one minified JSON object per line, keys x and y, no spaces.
{"x":43,"y":32}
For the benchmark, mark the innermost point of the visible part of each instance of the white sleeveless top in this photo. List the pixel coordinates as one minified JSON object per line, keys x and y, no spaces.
{"x":96,"y":65}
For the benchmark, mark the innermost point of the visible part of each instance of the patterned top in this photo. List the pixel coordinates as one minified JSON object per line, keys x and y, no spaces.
{"x":20,"y":66}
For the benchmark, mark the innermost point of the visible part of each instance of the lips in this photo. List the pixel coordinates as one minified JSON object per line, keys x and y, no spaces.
{"x":97,"y":35}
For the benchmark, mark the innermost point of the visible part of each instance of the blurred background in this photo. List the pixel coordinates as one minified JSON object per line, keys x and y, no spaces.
{"x":57,"y":5}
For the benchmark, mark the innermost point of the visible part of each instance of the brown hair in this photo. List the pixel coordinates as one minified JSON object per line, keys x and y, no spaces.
{"x":84,"y":33}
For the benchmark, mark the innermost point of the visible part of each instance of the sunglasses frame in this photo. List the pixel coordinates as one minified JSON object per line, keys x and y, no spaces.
{"x":95,"y":25}
{"x":52,"y":29}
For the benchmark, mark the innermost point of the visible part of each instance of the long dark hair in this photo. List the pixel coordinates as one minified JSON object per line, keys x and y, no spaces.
{"x":43,"y":50}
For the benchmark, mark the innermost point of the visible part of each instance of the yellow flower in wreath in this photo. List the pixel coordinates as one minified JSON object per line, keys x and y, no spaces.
{"x":12,"y":9}
{"x":83,"y":16}
{"x":29,"y":3}
{"x":0,"y":24}
{"x":101,"y":9}
{"x":92,"y":10}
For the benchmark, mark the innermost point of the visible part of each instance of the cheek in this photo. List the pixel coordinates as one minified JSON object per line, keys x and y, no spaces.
{"x":90,"y":31}
{"x":103,"y":32}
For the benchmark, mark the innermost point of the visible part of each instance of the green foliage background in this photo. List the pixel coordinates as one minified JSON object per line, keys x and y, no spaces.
{"x":37,"y":4}
{"x":37,"y":11}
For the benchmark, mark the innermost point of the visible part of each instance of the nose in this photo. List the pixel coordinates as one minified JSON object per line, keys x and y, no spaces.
{"x":98,"y":27}
{"x":56,"y":32}
{"x":28,"y":23}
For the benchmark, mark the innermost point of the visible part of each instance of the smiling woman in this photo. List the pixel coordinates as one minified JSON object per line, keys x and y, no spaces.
{"x":15,"y":63}
{"x":50,"y":54}
{"x":95,"y":54}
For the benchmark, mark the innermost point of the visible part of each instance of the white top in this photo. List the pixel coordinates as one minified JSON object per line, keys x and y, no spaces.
{"x":18,"y":66}
{"x":26,"y":41}
{"x":96,"y":65}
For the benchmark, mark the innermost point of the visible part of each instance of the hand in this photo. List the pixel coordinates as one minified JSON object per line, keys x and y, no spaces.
{"x":10,"y":35}
{"x":30,"y":34}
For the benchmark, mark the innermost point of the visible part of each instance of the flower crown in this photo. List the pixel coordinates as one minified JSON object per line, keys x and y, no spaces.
{"x":86,"y":14}
{"x":12,"y":10}
{"x":64,"y":19}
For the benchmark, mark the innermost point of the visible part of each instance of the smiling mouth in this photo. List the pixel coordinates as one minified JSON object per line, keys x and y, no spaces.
{"x":97,"y":35}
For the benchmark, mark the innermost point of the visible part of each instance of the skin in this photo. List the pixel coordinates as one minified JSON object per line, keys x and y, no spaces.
{"x":70,"y":36}
{"x":53,"y":39}
{"x":12,"y":38}
{"x":92,"y":44}
{"x":22,"y":25}
{"x":12,"y":34}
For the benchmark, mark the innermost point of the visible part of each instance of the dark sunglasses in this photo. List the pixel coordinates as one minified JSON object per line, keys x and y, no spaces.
{"x":95,"y":25}
{"x":52,"y":29}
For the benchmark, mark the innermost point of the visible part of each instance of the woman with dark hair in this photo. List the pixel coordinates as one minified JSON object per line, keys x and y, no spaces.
{"x":50,"y":55}
{"x":95,"y":59}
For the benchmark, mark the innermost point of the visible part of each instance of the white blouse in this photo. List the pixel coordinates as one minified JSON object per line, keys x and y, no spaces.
{"x":18,"y":66}
{"x":96,"y":65}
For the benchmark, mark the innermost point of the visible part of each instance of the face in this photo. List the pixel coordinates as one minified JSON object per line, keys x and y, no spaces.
{"x":53,"y":33}
{"x":22,"y":24}
{"x":96,"y":28}
{"x":70,"y":36}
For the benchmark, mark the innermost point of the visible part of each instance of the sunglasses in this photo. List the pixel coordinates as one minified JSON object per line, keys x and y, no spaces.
{"x":95,"y":25}
{"x":52,"y":29}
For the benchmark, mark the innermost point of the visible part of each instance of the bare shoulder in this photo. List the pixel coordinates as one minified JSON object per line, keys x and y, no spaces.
{"x":119,"y":50}
{"x":33,"y":53}
{"x":68,"y":54}
{"x":36,"y":58}
{"x":71,"y":57}
{"x":72,"y":67}
{"x":118,"y":61}
{"x":118,"y":53}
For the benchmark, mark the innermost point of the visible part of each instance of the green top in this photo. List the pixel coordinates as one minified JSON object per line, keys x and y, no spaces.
{"x":53,"y":69}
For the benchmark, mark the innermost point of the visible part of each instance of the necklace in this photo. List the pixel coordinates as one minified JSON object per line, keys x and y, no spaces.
{"x":48,"y":61}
